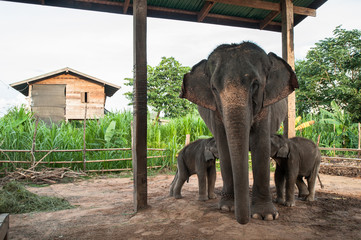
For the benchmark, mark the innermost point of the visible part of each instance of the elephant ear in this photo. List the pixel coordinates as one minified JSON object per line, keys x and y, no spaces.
{"x":281,"y":80}
{"x":283,"y":152}
{"x":208,"y":155}
{"x":196,"y":87}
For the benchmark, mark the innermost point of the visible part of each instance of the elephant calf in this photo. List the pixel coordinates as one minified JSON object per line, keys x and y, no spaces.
{"x":197,"y":158}
{"x":296,"y":158}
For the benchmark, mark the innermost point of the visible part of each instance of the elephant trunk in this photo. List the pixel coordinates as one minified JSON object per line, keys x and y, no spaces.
{"x":237,"y":125}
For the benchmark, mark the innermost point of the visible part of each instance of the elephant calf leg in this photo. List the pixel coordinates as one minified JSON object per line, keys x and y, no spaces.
{"x":211,"y":177}
{"x":290,"y":192}
{"x":280,"y":185}
{"x":302,"y":188}
{"x":311,"y":181}
{"x":178,"y":187}
{"x":202,"y":185}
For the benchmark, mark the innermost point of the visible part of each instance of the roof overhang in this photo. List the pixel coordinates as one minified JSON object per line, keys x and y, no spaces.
{"x":256,"y":14}
{"x":23,"y":86}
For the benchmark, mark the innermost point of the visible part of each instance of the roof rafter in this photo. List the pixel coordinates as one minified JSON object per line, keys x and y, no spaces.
{"x":268,"y":6}
{"x":205,"y":10}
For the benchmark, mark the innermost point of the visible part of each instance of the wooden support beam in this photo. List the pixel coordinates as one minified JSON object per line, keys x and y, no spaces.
{"x":268,"y":6}
{"x":126,"y":6}
{"x":268,"y":19}
{"x":139,"y":149}
{"x":288,"y":55}
{"x":205,"y":10}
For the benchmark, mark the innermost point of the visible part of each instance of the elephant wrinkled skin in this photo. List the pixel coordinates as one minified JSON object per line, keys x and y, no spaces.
{"x":240,"y":93}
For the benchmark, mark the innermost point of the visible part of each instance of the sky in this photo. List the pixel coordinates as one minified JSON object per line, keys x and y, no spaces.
{"x":36,"y":40}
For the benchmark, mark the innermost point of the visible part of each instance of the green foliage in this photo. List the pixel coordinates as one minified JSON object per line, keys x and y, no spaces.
{"x":14,"y":198}
{"x":164,"y":86}
{"x":331,"y":71}
{"x":111,"y":131}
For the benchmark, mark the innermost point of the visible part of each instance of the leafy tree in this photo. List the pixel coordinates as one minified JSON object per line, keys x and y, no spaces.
{"x":164,"y":86}
{"x":331,"y":71}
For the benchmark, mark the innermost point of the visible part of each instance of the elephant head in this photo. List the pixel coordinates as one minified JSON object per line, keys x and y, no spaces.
{"x":211,"y":152}
{"x":238,"y":82}
{"x":279,"y":147}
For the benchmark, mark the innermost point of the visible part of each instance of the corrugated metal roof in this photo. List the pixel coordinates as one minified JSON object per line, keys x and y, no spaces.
{"x":241,"y":13}
{"x":23,"y":86}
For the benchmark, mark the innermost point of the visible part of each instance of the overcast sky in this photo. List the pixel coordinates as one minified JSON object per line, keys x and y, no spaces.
{"x":36,"y":39}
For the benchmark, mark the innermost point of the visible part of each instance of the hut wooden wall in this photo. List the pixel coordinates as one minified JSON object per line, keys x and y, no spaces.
{"x":75,"y":86}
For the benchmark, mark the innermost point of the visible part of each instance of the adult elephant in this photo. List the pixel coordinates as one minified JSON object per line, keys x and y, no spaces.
{"x":240,"y":92}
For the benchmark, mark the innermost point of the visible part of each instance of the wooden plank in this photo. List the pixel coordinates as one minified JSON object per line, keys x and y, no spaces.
{"x":126,"y":6}
{"x":340,"y":149}
{"x":140,"y":104}
{"x":268,"y":19}
{"x":4,"y":226}
{"x":289,"y":56}
{"x":204,"y":11}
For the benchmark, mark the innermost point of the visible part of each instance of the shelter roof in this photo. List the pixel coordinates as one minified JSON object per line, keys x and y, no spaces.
{"x":23,"y":86}
{"x":257,"y":14}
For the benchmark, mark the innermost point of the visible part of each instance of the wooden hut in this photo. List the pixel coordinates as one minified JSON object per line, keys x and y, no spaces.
{"x":66,"y":94}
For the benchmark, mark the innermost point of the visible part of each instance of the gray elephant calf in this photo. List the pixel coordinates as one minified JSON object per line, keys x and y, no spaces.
{"x":296,"y":158}
{"x":197,"y":158}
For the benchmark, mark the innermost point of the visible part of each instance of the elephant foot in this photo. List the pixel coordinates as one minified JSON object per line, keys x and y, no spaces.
{"x":227,"y":202}
{"x":290,"y":203}
{"x":303,"y":194}
{"x":212,"y":196}
{"x":309,"y":198}
{"x":279,"y":200}
{"x":264,"y":211}
{"x":177,"y":196}
{"x":202,"y":198}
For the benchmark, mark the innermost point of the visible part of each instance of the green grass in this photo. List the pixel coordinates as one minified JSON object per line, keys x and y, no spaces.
{"x":14,"y":198}
{"x":114,"y":131}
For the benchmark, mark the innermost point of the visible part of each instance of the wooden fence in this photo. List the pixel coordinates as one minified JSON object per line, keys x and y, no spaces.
{"x":84,"y":161}
{"x":336,"y":160}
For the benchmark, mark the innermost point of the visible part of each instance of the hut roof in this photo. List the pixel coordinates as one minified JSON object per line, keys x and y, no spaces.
{"x":23,"y":86}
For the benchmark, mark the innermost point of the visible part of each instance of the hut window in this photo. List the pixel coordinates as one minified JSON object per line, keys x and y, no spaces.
{"x":84,"y":97}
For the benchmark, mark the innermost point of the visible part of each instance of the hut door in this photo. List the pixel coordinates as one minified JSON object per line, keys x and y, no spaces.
{"x":48,"y":101}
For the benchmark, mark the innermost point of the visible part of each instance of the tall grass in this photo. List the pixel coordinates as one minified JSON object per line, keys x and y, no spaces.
{"x":114,"y":131}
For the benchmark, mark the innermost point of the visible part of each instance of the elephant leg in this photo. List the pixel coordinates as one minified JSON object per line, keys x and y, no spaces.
{"x":226,"y":202}
{"x":302,"y":187}
{"x":280,"y":185}
{"x":290,"y":188}
{"x":311,"y":181}
{"x":262,"y":206}
{"x":178,"y":186}
{"x":211,"y":177}
{"x":171,"y":190}
{"x":202,"y":185}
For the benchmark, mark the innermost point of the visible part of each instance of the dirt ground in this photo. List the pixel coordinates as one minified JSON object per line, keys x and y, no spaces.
{"x":105,"y":211}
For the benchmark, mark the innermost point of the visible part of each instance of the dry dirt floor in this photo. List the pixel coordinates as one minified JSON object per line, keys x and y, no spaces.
{"x":105,"y":211}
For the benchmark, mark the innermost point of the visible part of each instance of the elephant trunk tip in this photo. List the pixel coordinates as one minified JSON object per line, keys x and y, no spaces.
{"x":242,"y":220}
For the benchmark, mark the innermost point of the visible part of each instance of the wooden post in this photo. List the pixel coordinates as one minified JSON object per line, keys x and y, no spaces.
{"x":84,"y":142}
{"x":359,"y":140}
{"x":4,"y":226}
{"x":188,"y":139}
{"x":139,"y":150}
{"x":289,"y":56}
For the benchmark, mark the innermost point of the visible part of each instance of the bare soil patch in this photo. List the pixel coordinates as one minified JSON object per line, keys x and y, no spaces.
{"x":105,"y":211}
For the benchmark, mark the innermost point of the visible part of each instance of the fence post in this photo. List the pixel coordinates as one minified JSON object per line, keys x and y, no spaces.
{"x":359,"y":141}
{"x":34,"y":141}
{"x":188,"y":139}
{"x":84,"y":142}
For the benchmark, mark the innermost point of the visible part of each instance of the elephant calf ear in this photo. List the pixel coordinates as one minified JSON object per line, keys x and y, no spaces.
{"x":196,"y":87}
{"x":281,"y":80}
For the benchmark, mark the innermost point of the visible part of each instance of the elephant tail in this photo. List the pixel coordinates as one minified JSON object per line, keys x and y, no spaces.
{"x":173,"y":183}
